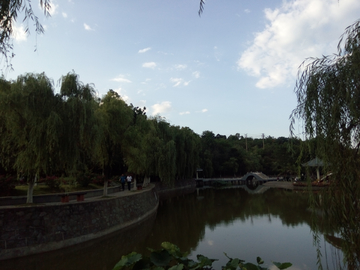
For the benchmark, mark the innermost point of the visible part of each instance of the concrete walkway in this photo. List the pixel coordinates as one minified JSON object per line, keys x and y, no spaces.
{"x":279,"y":184}
{"x":53,"y":199}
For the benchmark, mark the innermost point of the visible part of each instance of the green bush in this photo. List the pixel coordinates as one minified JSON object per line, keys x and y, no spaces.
{"x":83,"y":179}
{"x":52,"y":182}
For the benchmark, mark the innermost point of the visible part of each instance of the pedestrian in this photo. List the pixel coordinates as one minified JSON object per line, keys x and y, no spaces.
{"x":129,"y":179}
{"x":122,"y":181}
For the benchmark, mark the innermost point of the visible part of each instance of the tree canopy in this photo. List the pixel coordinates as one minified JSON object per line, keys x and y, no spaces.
{"x":73,"y":133}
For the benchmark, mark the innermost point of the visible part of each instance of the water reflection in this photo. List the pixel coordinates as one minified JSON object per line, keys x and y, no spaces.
{"x":275,"y":225}
{"x":100,"y":254}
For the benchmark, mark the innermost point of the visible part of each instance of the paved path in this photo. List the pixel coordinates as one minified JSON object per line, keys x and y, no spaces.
{"x":279,"y":184}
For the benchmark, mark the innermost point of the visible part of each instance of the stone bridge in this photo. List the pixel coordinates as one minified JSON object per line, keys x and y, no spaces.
{"x":251,"y":178}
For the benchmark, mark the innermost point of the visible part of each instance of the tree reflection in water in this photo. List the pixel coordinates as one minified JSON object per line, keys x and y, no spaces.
{"x":275,"y":225}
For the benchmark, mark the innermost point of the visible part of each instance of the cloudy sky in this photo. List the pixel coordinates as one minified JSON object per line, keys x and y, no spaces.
{"x":232,"y":70}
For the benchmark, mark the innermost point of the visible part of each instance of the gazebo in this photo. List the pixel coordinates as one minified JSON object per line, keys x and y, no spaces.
{"x":316,"y":162}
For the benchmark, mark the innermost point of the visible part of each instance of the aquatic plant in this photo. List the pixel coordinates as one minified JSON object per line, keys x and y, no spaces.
{"x":170,"y":257}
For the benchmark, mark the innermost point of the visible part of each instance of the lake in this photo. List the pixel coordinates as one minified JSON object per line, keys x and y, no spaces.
{"x":275,"y":225}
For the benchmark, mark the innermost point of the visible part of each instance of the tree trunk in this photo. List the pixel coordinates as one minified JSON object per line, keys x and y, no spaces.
{"x":106,"y":182}
{"x":30,"y":191}
{"x":146,"y":181}
{"x":134,"y":186}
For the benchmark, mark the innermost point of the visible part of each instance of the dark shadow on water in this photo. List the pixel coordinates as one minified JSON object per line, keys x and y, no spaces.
{"x":100,"y":254}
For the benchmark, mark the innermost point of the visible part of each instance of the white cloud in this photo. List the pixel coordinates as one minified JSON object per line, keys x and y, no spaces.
{"x":122,"y":94}
{"x":247,"y":10}
{"x":142,"y":103}
{"x":179,"y":81}
{"x":204,"y":110}
{"x":120,"y":78}
{"x":146,"y":81}
{"x":53,"y":8}
{"x":149,"y":65}
{"x":183,"y":113}
{"x":217,"y":53}
{"x":64,"y":14}
{"x":162,"y":107}
{"x":144,"y":50}
{"x":297,"y":30}
{"x":196,"y":74}
{"x":180,"y":67}
{"x":19,"y":33}
{"x":87,"y":27}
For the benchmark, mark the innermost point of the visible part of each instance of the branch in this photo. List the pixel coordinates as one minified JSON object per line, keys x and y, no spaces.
{"x":201,"y":8}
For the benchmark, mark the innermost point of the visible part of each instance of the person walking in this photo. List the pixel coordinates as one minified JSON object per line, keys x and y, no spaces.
{"x":122,"y":181}
{"x":129,"y":179}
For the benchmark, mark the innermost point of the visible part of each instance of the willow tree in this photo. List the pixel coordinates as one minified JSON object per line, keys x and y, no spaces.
{"x":79,"y":122}
{"x":328,"y":93}
{"x":7,"y":154}
{"x":114,"y":117}
{"x":187,"y":152}
{"x":33,"y":126}
{"x":141,"y":149}
{"x":166,"y":159}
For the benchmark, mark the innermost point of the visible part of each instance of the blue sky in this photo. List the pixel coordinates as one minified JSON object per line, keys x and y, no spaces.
{"x":232,"y":70}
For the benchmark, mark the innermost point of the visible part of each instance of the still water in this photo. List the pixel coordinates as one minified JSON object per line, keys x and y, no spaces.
{"x":275,"y":225}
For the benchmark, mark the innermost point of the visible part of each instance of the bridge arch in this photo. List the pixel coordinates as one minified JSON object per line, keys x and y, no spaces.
{"x":259,"y":176}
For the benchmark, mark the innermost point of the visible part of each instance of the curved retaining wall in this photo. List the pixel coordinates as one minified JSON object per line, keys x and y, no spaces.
{"x":29,"y":230}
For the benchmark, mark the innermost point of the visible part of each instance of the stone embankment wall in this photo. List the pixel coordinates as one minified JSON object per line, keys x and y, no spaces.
{"x":28,"y":230}
{"x":179,"y":189}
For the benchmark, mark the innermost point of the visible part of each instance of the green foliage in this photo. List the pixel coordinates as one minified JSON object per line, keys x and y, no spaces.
{"x":32,"y":125}
{"x":113,"y":118}
{"x":79,"y":126}
{"x":83,"y":179}
{"x":75,"y":133}
{"x":52,"y":182}
{"x":9,"y":11}
{"x":237,"y":155}
{"x":170,"y":257}
{"x":328,"y":93}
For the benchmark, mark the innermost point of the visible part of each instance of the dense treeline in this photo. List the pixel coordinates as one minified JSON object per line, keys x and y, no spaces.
{"x":236,"y":155}
{"x":74,"y":132}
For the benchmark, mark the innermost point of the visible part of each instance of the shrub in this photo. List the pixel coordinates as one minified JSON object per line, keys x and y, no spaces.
{"x":83,"y":179}
{"x":7,"y":185}
{"x":98,"y":180}
{"x":67,"y":183}
{"x":52,"y":182}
